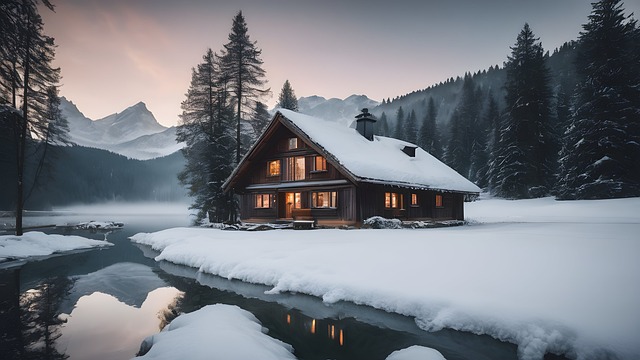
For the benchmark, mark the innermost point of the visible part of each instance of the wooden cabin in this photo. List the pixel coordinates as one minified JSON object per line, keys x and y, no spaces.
{"x":305,"y":168}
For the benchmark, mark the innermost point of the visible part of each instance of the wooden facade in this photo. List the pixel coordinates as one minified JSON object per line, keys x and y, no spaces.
{"x":287,"y":177}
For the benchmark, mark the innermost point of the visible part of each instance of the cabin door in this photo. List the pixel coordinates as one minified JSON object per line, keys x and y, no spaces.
{"x":285,"y":205}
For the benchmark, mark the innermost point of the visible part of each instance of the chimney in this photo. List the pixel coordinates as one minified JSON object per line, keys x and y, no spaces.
{"x":365,"y":124}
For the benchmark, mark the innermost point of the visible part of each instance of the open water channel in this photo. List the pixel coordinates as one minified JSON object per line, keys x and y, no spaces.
{"x":101,"y":304}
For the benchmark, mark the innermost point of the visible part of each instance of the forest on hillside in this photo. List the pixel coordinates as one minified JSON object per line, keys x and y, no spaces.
{"x":85,"y":175}
{"x":564,"y":124}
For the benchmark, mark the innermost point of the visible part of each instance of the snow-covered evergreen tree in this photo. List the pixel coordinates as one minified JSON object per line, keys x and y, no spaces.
{"x":601,"y":150}
{"x":492,"y":118}
{"x":287,"y":98}
{"x":524,"y":164}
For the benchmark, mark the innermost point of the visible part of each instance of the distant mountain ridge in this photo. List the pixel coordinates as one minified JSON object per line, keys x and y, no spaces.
{"x":134,"y":132}
{"x":334,"y":109}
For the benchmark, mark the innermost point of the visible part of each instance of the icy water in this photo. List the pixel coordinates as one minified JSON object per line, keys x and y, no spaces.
{"x":101,"y":304}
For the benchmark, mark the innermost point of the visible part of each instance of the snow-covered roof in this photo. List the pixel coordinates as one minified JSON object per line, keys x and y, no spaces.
{"x":379,"y":161}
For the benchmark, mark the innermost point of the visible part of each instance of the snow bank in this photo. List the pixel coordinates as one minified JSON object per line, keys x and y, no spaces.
{"x":416,"y":353}
{"x":224,"y":330}
{"x":100,"y":225}
{"x":36,"y":243}
{"x":566,"y":287}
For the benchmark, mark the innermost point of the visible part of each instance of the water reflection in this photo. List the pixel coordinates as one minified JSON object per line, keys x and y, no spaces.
{"x":304,"y":324}
{"x":30,"y":322}
{"x":122,"y":327}
{"x":320,"y":331}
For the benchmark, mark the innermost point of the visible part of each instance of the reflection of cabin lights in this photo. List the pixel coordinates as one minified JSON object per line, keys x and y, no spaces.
{"x":313,"y":326}
{"x":288,"y":319}
{"x":333,"y":332}
{"x":341,"y":338}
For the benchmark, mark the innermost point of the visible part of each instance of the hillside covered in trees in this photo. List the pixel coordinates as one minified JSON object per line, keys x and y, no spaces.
{"x":564,"y":124}
{"x":87,"y":175}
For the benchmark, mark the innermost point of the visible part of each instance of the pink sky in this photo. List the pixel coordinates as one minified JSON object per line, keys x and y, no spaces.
{"x":116,"y":53}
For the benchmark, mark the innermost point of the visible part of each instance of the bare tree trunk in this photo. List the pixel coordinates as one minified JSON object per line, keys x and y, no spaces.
{"x":22,"y":141}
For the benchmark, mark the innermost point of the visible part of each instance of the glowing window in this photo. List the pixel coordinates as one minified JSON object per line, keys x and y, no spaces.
{"x":273,"y":168}
{"x":297,"y":202}
{"x":295,"y":168}
{"x":320,"y":163}
{"x":414,"y":199}
{"x":263,"y":201}
{"x":324,"y":199}
{"x":393,"y":200}
{"x":439,"y":201}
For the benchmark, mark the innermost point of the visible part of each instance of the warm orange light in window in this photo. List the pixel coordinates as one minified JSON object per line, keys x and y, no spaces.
{"x":333,"y":332}
{"x":414,"y":199}
{"x":274,"y":168}
{"x":341,"y":338}
{"x":313,"y":326}
{"x":438,"y":200}
{"x":320,"y":163}
{"x":288,"y":319}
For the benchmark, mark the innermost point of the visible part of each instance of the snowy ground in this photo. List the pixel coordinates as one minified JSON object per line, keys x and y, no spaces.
{"x":547,"y":275}
{"x":37,"y":244}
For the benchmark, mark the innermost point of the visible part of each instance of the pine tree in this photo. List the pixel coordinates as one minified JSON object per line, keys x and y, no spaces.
{"x":382,"y":125}
{"x":398,"y":131}
{"x":411,"y":128}
{"x":526,"y":136}
{"x":461,"y":140}
{"x":492,"y":118}
{"x":429,"y":136}
{"x":207,"y":131}
{"x":260,"y":118}
{"x":241,"y":64}
{"x":601,"y":151}
{"x":26,"y":76}
{"x":287,"y":98}
{"x":479,"y":169}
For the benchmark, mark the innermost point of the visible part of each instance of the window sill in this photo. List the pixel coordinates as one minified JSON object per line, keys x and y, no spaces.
{"x":317,"y":171}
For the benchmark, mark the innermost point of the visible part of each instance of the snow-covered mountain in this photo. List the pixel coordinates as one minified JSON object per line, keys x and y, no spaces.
{"x":335,"y":109}
{"x":134,"y":132}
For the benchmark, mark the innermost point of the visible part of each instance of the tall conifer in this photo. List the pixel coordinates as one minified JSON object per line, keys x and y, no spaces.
{"x":601,"y":152}
{"x":242,"y":65}
{"x":524,"y":161}
{"x":26,"y":77}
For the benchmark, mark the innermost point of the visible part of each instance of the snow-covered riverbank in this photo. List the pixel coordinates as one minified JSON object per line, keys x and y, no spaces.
{"x":546,"y":275}
{"x":36,"y":244}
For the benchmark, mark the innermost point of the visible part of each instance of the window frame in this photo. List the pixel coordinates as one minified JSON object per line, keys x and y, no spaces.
{"x":323,"y":162}
{"x":393,"y":200}
{"x":279,"y":166}
{"x":259,"y":201}
{"x":293,"y":143}
{"x":415,"y":200}
{"x":332,"y":197}
{"x":292,"y":168}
